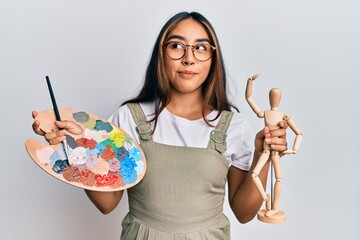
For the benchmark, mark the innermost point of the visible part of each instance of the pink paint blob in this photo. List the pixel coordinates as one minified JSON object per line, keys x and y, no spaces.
{"x":101,"y":168}
{"x":44,"y":154}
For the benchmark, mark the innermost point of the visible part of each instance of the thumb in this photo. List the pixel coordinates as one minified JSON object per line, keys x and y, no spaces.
{"x":265,"y":132}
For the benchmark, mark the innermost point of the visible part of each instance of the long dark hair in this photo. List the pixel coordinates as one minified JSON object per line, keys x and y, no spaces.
{"x":157,"y":88}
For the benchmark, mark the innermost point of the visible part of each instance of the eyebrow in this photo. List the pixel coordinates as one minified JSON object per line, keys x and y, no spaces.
{"x":182,"y":38}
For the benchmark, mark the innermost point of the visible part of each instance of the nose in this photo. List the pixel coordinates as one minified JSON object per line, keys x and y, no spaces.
{"x":189,"y":58}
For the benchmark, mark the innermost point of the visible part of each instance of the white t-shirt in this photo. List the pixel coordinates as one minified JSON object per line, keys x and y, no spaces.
{"x":178,"y":131}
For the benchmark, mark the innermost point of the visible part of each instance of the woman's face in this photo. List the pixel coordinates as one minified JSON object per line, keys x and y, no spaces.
{"x":186,"y":75}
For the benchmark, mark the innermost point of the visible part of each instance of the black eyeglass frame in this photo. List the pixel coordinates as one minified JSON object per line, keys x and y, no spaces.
{"x":185,"y":47}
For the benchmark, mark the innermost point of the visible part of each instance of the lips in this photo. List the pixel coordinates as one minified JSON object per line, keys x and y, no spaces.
{"x":186,"y":73}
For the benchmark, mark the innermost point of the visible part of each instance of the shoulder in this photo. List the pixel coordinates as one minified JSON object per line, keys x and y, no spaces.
{"x":148,"y":108}
{"x":123,"y":112}
{"x":239,"y":129}
{"x":239,"y":120}
{"x":119,"y":115}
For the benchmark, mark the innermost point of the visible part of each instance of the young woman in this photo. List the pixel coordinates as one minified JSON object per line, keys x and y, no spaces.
{"x":194,"y":140}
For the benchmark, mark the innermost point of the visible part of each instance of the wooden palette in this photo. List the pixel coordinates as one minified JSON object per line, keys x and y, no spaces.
{"x":102,"y":158}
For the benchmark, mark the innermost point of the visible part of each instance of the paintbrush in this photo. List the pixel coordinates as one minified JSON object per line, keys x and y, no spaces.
{"x":57,"y":115}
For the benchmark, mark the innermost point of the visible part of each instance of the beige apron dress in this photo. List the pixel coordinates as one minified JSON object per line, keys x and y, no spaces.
{"x":182,"y":193}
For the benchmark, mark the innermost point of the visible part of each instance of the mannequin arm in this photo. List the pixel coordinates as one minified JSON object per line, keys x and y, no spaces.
{"x":251,"y":102}
{"x":298,"y":137}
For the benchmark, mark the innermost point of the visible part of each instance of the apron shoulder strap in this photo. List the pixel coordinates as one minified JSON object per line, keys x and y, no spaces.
{"x":218,"y":135}
{"x":143,"y":126}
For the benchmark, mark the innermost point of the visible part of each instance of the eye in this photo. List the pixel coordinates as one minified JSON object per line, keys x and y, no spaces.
{"x":202,"y":47}
{"x":176,"y":45}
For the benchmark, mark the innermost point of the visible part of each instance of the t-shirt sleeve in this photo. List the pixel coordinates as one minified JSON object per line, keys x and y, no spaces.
{"x":240,"y":142}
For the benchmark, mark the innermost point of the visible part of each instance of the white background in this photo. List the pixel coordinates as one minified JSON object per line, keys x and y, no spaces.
{"x":96,"y":52}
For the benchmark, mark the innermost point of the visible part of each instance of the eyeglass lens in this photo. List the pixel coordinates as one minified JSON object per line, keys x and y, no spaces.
{"x":177,"y":50}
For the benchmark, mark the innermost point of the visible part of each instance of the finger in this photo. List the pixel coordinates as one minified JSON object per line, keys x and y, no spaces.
{"x":34,"y":114}
{"x":36,"y":128}
{"x":266,"y":132}
{"x":281,"y":133}
{"x":278,"y":141}
{"x":70,"y":126}
{"x":279,"y":148}
{"x":36,"y":124}
{"x":259,"y":138}
{"x":283,"y":124}
{"x":56,"y":140}
{"x":55,"y":135}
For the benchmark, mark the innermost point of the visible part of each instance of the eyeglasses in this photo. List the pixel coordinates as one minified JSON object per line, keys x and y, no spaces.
{"x":201,"y":51}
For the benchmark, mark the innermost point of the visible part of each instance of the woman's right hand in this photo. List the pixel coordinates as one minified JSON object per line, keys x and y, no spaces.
{"x":57,"y":136}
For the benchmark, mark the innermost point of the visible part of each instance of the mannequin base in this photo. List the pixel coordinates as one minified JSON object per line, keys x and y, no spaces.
{"x":279,"y":217}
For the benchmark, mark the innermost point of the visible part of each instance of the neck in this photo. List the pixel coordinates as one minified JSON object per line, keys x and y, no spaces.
{"x":188,"y":106}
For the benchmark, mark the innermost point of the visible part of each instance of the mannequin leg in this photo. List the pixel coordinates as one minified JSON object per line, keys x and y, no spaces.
{"x":268,"y":202}
{"x":278,"y":186}
{"x":260,"y":164}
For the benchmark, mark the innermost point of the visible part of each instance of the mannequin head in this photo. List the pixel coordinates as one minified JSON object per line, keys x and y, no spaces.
{"x":274,"y":97}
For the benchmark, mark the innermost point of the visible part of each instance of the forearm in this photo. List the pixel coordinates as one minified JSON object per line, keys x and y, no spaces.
{"x":247,"y":200}
{"x":104,"y":201}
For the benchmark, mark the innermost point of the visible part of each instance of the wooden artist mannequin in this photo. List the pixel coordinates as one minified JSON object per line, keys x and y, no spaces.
{"x":272,"y":117}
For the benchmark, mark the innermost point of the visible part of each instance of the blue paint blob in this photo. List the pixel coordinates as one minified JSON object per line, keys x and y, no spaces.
{"x":61,"y":152}
{"x":139,"y":168}
{"x":100,"y":147}
{"x":100,"y":125}
{"x":60,"y":165}
{"x":127,"y":170}
{"x":81,"y":117}
{"x":58,"y":155}
{"x":94,"y":151}
{"x":129,"y":177}
{"x":135,"y":154}
{"x":127,"y":164}
{"x":122,"y":153}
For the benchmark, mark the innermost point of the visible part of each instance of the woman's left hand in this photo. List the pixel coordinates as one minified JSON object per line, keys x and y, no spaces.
{"x":278,"y":138}
{"x":275,"y":138}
